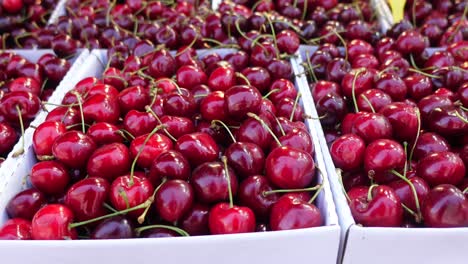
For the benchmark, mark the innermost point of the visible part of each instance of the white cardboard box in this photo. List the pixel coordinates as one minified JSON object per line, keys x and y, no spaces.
{"x":389,"y":245}
{"x":318,"y":244}
{"x":58,"y":11}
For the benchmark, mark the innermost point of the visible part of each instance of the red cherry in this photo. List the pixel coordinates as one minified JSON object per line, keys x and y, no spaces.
{"x":87,"y":197}
{"x":222,"y":78}
{"x":442,"y":168}
{"x":382,"y":208}
{"x":195,"y":221}
{"x":25,"y":204}
{"x":405,"y":193}
{"x":16,"y":229}
{"x":404,"y":119}
{"x":240,"y":100}
{"x":347,"y":152}
{"x":109,"y":161}
{"x":8,"y":138}
{"x":52,"y":222}
{"x":73,"y":149}
{"x":127,"y":192}
{"x":445,"y":206}
{"x":189,"y":76}
{"x":117,"y":227}
{"x":252,"y":194}
{"x":291,"y":212}
{"x":169,"y":165}
{"x":18,"y":103}
{"x":429,"y":143}
{"x":68,"y":116}
{"x":155,"y":145}
{"x":377,"y":99}
{"x":44,"y":137}
{"x":25,"y":84}
{"x":133,"y":98}
{"x":372,"y":126}
{"x":101,"y":108}
{"x":381,"y":156}
{"x":104,"y":133}
{"x":50,"y":177}
{"x":173,"y":199}
{"x":197,"y":147}
{"x":226,"y":219}
{"x":139,"y":123}
{"x":245,"y":158}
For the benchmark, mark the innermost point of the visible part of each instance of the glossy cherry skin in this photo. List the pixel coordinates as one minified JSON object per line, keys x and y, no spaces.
{"x":251,"y":194}
{"x":195,"y":221}
{"x":372,"y":126}
{"x":445,"y":206}
{"x":7,"y":138}
{"x":25,"y":84}
{"x":441,"y":168}
{"x":133,"y":98}
{"x":28,"y":104}
{"x":67,"y":115}
{"x":212,"y":107}
{"x":429,"y":143}
{"x":25,"y":204}
{"x":347,"y":152}
{"x":411,"y":42}
{"x":431,"y":102}
{"x":253,"y":131}
{"x":73,"y":149}
{"x":155,"y":145}
{"x":139,"y":123}
{"x":393,"y":85}
{"x":180,"y":104}
{"x":52,"y":222}
{"x":169,"y":165}
{"x":109,"y":161}
{"x":377,"y":99}
{"x":291,"y":212}
{"x":404,"y":120}
{"x":177,"y":126}
{"x":381,"y":156}
{"x":383,"y":209}
{"x":289,"y":168}
{"x":86,"y":198}
{"x":135,"y":192}
{"x":189,"y":76}
{"x":117,"y":227}
{"x":224,"y":219}
{"x":44,"y":137}
{"x":16,"y":229}
{"x":173,"y":199}
{"x":447,"y":122}
{"x":222,"y":78}
{"x":197,"y":147}
{"x":297,"y":138}
{"x":101,"y":108}
{"x":245,"y":158}
{"x":404,"y":192}
{"x":50,"y":177}
{"x":104,"y":133}
{"x":240,"y":100}
{"x":162,"y":64}
{"x":418,"y":86}
{"x":209,"y":181}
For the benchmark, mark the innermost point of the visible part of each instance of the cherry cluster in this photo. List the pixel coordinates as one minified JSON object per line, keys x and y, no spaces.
{"x":442,"y":22}
{"x":23,"y":84}
{"x":19,"y":18}
{"x":397,"y":126}
{"x":219,"y":149}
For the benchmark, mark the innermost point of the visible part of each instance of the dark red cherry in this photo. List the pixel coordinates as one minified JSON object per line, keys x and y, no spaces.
{"x":25,"y":204}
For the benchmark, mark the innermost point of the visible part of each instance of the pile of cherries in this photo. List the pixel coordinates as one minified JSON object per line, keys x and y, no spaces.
{"x":441,"y":21}
{"x":313,"y":21}
{"x":397,"y":126}
{"x":23,"y":85}
{"x":19,"y":18}
{"x":220,"y":148}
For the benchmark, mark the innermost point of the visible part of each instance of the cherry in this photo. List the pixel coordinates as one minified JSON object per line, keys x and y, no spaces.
{"x":25,"y":204}
{"x":44,"y":136}
{"x":226,"y":219}
{"x":372,"y":126}
{"x":332,"y":109}
{"x":411,"y":42}
{"x":104,"y":133}
{"x":17,"y":103}
{"x":197,"y":147}
{"x":195,"y":221}
{"x":252,"y":193}
{"x":405,"y":120}
{"x":210,"y":182}
{"x":177,"y":126}
{"x":86,"y":198}
{"x":393,"y":85}
{"x":212,"y":107}
{"x":245,"y":158}
{"x":240,"y":100}
{"x":418,"y":85}
{"x":173,"y":199}
{"x":129,"y":191}
{"x":258,"y":77}
{"x":180,"y":104}
{"x":138,"y":123}
{"x":117,"y":227}
{"x":49,"y":177}
{"x":16,"y":229}
{"x":253,"y":131}
{"x":109,"y":161}
{"x":73,"y":149}
{"x":287,"y":41}
{"x":381,"y":156}
{"x":52,"y":222}
{"x":448,"y":121}
{"x":12,"y":6}
{"x":431,"y":102}
{"x":68,"y":116}
{"x":8,"y":138}
{"x":445,"y":206}
{"x":373,"y":100}
{"x":25,"y":84}
{"x":222,"y":78}
{"x":379,"y":206}
{"x":404,"y":191}
{"x":133,"y":98}
{"x":429,"y":143}
{"x":145,"y":148}
{"x":101,"y":108}
{"x":162,"y":64}
{"x":170,"y":165}
{"x":347,"y":152}
{"x":441,"y":168}
{"x":189,"y":76}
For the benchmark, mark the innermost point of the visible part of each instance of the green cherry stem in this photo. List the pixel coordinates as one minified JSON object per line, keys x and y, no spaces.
{"x":368,"y":102}
{"x":310,"y":189}
{"x":296,"y":101}
{"x":312,"y":199}
{"x":80,"y":105}
{"x":413,"y":190}
{"x":172,"y":228}
{"x":256,"y":117}
{"x":418,"y":116}
{"x":228,"y":178}
{"x":369,"y":192}
{"x":215,"y":123}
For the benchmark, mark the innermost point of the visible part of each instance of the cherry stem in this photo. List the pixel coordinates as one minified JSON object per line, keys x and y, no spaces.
{"x":405,"y":169}
{"x":310,"y":67}
{"x":315,"y":194}
{"x":342,"y":42}
{"x":368,"y":102}
{"x":75,"y":125}
{"x":20,"y":118}
{"x":463,"y":17}
{"x":109,"y":207}
{"x":409,"y":210}
{"x":256,"y":117}
{"x":147,"y":203}
{"x":80,"y":105}
{"x":279,"y":124}
{"x":220,"y":44}
{"x":125,"y":134}
{"x":296,"y":101}
{"x":45,"y":157}
{"x":270,"y":93}
{"x":369,"y":192}
{"x":187,"y":47}
{"x":304,"y":10}
{"x":413,"y":190}
{"x":242,"y":76}
{"x":463,"y":108}
{"x":172,"y":228}
{"x":226,"y":170}
{"x":273,"y":33}
{"x":156,"y":129}
{"x":214,"y":124}
{"x":418,"y":117}
{"x":424,"y":73}
{"x":142,"y":217}
{"x":340,"y":179}
{"x":413,"y":63}
{"x":465,"y":191}
{"x":461,"y":117}
{"x":310,"y":189}
{"x":149,"y":110}
{"x":353,"y":89}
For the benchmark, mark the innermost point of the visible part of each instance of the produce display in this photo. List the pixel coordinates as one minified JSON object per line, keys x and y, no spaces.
{"x":206,"y":118}
{"x":23,"y":86}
